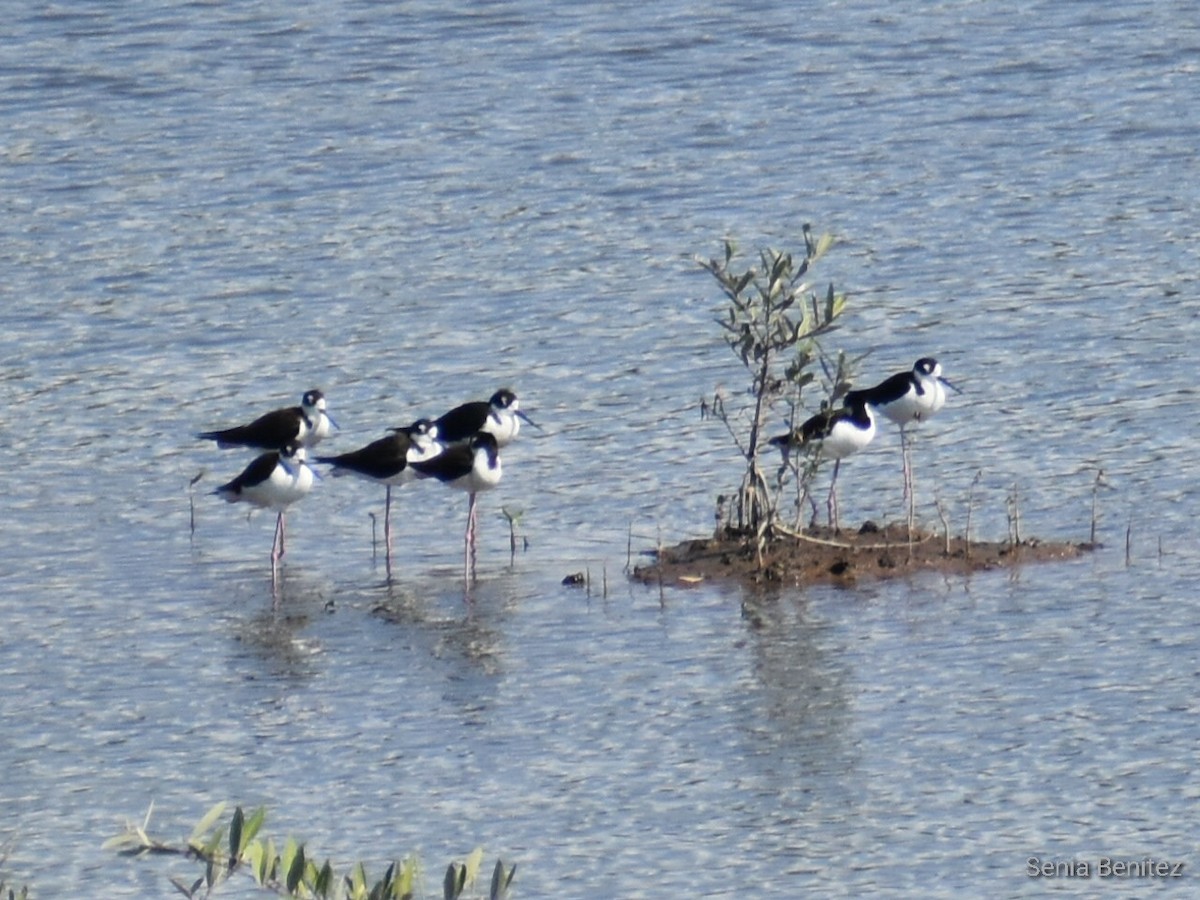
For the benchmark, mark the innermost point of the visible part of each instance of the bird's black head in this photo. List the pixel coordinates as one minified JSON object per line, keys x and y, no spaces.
{"x":927,"y":365}
{"x":419,"y":428}
{"x":855,"y":401}
{"x":312,"y":399}
{"x":503,"y":399}
{"x":486,"y":441}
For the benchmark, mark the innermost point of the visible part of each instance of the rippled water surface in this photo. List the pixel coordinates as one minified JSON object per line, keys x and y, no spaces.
{"x":208,"y":208}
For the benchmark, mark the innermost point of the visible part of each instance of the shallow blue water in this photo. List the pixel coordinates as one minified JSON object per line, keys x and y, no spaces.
{"x":207,"y":210}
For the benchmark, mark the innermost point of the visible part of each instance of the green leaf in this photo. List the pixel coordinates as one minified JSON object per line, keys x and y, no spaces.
{"x":131,"y":842}
{"x":308,"y":876}
{"x":783,"y":267}
{"x":824,"y":242}
{"x":358,"y":877}
{"x":402,"y":888}
{"x":324,"y":880}
{"x":839,"y":304}
{"x":210,"y":849}
{"x":207,"y":822}
{"x":295,"y":871}
{"x":252,"y":855}
{"x":289,"y":852}
{"x":745,"y":279}
{"x":472,"y":866}
{"x":235,"y":834}
{"x":501,"y":879}
{"x":453,"y":883}
{"x":383,"y":888}
{"x":252,"y":827}
{"x":270,"y":863}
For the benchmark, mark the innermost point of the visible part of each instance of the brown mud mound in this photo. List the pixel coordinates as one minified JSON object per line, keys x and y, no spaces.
{"x":819,"y":556}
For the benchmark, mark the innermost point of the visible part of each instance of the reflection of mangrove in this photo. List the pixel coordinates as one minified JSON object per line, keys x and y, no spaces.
{"x":801,"y":707}
{"x":292,"y":872}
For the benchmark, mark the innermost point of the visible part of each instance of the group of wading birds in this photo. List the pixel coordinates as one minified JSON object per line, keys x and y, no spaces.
{"x":459,"y":449}
{"x":904,"y":398}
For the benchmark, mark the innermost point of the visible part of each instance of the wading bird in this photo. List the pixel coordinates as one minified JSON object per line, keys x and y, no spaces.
{"x":906,"y":398}
{"x":834,"y":434}
{"x":473,"y":467}
{"x":500,"y":416}
{"x":274,"y":480}
{"x":307,"y":424}
{"x":388,"y":461}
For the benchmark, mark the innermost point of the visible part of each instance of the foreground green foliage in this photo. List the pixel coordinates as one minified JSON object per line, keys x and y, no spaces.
{"x":774,"y":320}
{"x":291,"y":872}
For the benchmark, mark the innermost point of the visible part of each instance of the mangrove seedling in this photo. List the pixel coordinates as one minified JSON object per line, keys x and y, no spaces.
{"x":773,"y":320}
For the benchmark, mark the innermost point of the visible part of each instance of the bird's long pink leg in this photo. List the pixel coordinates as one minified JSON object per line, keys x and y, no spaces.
{"x":832,"y":502}
{"x":906,"y":456}
{"x":470,"y":554}
{"x":277,"y":547}
{"x":387,"y":523}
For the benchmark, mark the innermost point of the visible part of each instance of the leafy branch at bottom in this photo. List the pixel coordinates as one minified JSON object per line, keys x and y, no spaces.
{"x":236,"y":847}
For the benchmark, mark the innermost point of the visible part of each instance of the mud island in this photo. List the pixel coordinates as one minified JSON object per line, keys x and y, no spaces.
{"x":820,"y":556}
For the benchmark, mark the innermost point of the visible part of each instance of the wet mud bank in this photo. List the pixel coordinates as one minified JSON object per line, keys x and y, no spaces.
{"x":820,"y":556}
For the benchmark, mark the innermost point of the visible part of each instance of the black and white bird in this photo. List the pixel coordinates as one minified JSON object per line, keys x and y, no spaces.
{"x":388,"y":461}
{"x":907,"y":398}
{"x":500,"y":416}
{"x":473,"y":466}
{"x":274,"y":480}
{"x":307,"y":424}
{"x":833,"y":434}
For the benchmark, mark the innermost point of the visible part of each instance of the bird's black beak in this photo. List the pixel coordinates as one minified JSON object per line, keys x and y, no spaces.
{"x":950,"y":385}
{"x":526,"y":418}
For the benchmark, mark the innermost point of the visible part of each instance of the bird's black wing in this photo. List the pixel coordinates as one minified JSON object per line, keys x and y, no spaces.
{"x":454,"y":462}
{"x":384,"y":458}
{"x":256,"y":473}
{"x":462,"y":421}
{"x":269,"y":431}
